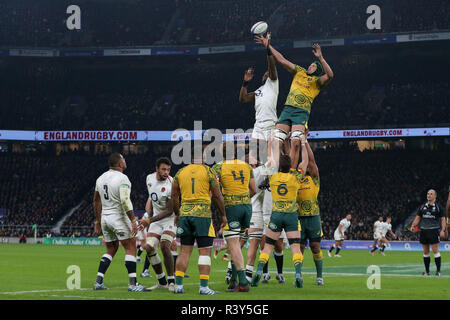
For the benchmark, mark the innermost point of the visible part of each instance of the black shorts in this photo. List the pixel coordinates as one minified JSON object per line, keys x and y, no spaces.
{"x":430,"y":236}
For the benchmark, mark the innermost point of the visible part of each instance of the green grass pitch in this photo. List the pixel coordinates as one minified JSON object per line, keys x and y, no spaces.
{"x":38,"y":272}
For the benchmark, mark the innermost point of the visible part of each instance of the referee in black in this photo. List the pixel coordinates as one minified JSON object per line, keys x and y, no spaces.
{"x":431,"y":219}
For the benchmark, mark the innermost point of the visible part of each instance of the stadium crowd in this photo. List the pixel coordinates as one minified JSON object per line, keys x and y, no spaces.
{"x":365,"y":184}
{"x":138,"y":22}
{"x":54,"y":95}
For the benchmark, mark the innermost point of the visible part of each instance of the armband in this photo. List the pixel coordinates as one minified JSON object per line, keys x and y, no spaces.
{"x":245,"y":83}
{"x":269,"y":52}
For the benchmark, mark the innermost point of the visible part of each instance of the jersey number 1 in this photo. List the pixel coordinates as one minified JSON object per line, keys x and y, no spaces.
{"x":193,"y":185}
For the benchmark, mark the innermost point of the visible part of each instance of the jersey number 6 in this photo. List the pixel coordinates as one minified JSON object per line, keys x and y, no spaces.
{"x":282,"y":189}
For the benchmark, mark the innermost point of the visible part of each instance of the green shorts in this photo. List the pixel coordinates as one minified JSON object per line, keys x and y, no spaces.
{"x":311,"y":229}
{"x":238,"y":216}
{"x":190,"y":226}
{"x":292,"y":116}
{"x":284,"y":220}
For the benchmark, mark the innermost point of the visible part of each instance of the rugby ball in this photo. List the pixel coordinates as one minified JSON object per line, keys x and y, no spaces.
{"x":259,"y":28}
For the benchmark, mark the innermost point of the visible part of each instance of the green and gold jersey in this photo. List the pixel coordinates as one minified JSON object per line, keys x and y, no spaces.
{"x":234,"y":177}
{"x":284,"y":188}
{"x":304,"y":88}
{"x":308,"y":204}
{"x":195,"y":182}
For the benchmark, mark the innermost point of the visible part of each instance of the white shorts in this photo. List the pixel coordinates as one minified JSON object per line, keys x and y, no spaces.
{"x":166,"y":224}
{"x":142,"y":235}
{"x":262,"y":132}
{"x":116,"y":228}
{"x":260,"y":220}
{"x":377,"y":236}
{"x":337,"y":236}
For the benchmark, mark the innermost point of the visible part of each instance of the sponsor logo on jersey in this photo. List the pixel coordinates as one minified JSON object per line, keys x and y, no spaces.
{"x":235,"y":224}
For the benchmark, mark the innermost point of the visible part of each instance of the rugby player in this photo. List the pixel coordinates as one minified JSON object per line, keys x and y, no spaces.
{"x":284,"y":186}
{"x":238,"y":186}
{"x":377,"y":229}
{"x":339,"y":235}
{"x":265,"y":101}
{"x":160,"y":223}
{"x":115,"y":219}
{"x":305,"y":86}
{"x":194,"y":183}
{"x":385,"y":229}
{"x":309,"y":213}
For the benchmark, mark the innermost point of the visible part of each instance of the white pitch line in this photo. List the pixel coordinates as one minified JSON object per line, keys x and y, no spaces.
{"x":84,"y":289}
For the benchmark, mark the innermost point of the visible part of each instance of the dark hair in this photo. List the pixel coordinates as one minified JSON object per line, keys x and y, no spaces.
{"x":285,"y":163}
{"x":114,"y":159}
{"x":164,"y":160}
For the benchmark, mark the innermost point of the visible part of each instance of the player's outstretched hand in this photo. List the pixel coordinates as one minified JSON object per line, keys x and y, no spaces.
{"x":263,"y":40}
{"x":248,"y":75}
{"x":317,"y":51}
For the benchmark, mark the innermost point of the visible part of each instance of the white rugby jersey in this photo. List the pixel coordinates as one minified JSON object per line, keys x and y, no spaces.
{"x":386,"y":227}
{"x":345,"y":225}
{"x":108,"y":185}
{"x":159,"y":192}
{"x":266,"y":98}
{"x":378,"y":226}
{"x":258,"y":198}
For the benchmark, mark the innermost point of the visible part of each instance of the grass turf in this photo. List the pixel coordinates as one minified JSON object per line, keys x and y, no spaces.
{"x":38,"y":272}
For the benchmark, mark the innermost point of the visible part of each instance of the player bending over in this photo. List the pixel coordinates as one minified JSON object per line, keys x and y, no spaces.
{"x":115,"y":219}
{"x":339,"y":235}
{"x":305,"y":86}
{"x":160,"y":224}
{"x":309,"y":214}
{"x":285,"y":185}
{"x":194,"y":183}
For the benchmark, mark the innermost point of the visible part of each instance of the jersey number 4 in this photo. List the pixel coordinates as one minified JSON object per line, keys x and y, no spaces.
{"x":241,"y":177}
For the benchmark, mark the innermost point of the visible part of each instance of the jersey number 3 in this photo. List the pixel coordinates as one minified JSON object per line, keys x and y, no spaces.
{"x":106,"y":195}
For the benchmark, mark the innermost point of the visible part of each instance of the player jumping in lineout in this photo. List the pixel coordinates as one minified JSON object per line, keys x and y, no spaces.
{"x":305,"y":86}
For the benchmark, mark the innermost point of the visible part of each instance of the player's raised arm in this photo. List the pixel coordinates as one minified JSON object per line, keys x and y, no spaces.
{"x":273,"y":74}
{"x":97,"y":213}
{"x":304,"y":164}
{"x":244,"y":96}
{"x":323,"y":80}
{"x":289,"y":66}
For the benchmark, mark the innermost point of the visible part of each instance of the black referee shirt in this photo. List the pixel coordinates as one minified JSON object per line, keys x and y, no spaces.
{"x":431,"y":215}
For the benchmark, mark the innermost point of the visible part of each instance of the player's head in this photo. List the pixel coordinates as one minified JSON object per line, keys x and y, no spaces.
{"x":265,"y":76}
{"x":431,"y":195}
{"x":380,"y":218}
{"x":315,"y":69}
{"x":388,"y":220}
{"x":163,"y":166}
{"x":116,"y":160}
{"x":285,"y":163}
{"x":348,"y":217}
